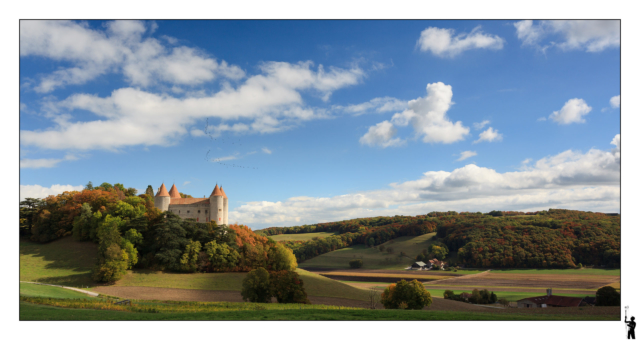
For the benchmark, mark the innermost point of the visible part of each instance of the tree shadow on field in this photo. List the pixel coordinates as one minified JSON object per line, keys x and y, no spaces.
{"x":63,"y":262}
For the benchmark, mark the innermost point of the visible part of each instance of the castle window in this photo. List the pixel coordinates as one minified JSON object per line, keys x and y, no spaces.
{"x":187,"y":211}
{"x":198,"y":211}
{"x":205,"y":212}
{"x":219,"y":209}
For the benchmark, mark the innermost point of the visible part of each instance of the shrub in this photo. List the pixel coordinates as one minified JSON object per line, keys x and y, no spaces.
{"x":607,"y":296}
{"x":256,"y":286}
{"x":390,"y":250}
{"x":381,"y":248}
{"x":357,"y":263}
{"x":287,"y":287}
{"x":448,"y":294}
{"x":412,"y":294}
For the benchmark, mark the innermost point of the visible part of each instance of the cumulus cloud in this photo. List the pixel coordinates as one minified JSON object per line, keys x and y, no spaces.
{"x":119,"y":48}
{"x":37,"y":191}
{"x":442,"y":42}
{"x":382,"y":135}
{"x":588,"y":35}
{"x":378,"y":105}
{"x":489,"y":135}
{"x":615,"y":102}
{"x":572,"y":112}
{"x":479,"y":126}
{"x":265,"y":103}
{"x":466,"y":154}
{"x":570,"y":179}
{"x":428,"y":116}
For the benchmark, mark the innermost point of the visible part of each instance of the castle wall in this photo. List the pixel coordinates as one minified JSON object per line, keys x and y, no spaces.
{"x":199,"y":212}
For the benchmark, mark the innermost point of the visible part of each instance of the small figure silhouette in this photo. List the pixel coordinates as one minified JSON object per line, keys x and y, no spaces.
{"x":632,"y":327}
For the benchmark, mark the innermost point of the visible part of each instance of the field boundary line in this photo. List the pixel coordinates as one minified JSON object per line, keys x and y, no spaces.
{"x":459,"y":277}
{"x":65,"y":287}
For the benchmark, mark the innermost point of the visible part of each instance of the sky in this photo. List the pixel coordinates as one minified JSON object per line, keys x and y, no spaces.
{"x":314,"y":121}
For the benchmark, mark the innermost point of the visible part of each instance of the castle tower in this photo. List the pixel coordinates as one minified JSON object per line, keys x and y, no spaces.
{"x":174,"y":193}
{"x":216,"y":201}
{"x":162,"y":199}
{"x":225,"y":206}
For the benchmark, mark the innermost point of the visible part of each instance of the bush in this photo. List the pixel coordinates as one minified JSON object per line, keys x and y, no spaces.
{"x":256,"y":286}
{"x":409,"y":295}
{"x":381,"y":248}
{"x":607,"y":296}
{"x":357,"y":263}
{"x":390,"y":250}
{"x":448,"y":294}
{"x":287,"y":287}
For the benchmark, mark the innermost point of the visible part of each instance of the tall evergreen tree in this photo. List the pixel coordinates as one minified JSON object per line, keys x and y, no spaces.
{"x":149,"y":191}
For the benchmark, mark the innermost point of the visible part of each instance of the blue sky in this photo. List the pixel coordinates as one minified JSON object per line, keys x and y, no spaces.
{"x":313,"y":121}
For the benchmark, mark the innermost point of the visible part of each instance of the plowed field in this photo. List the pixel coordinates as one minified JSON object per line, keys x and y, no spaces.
{"x":575,"y":282}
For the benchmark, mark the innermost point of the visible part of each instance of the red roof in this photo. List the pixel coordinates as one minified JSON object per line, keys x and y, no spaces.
{"x":178,"y":201}
{"x":162,"y":191}
{"x":222,"y":191}
{"x":174,"y":192}
{"x":216,"y":191}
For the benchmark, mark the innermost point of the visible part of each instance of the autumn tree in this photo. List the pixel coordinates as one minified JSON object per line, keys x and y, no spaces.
{"x":287,"y":287}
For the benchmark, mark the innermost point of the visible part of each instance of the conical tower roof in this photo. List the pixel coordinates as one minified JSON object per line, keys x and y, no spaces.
{"x":174,"y":192}
{"x":222,"y":191}
{"x":162,"y":191}
{"x":216,"y":191}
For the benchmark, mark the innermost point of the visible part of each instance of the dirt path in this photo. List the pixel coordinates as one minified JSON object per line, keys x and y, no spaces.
{"x":65,"y":287}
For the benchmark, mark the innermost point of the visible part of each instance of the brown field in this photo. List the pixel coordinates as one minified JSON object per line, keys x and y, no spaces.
{"x":175,"y":294}
{"x":528,"y":281}
{"x":438,"y":273}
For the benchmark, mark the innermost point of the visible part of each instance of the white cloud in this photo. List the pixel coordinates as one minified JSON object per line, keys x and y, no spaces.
{"x":225,"y":158}
{"x":197,"y":133}
{"x":27,"y":163}
{"x":37,"y":191}
{"x":378,"y":105}
{"x":615,"y":102}
{"x":266,"y":150}
{"x":120,"y":48}
{"x":382,"y":135}
{"x":428,"y":116}
{"x":489,"y":135}
{"x":466,"y":154}
{"x":442,"y":43}
{"x":571,"y":180}
{"x":588,"y":35}
{"x":266,"y":103}
{"x":572,"y":112}
{"x":479,"y":126}
{"x":186,"y":182}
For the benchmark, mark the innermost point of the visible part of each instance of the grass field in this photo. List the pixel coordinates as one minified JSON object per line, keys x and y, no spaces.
{"x":64,"y":262}
{"x":30,"y":311}
{"x":30,"y":289}
{"x":585,"y":271}
{"x":300,"y":237}
{"x":372,"y":257}
{"x":315,"y":285}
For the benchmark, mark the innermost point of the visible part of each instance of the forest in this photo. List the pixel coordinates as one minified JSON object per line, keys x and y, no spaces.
{"x":132,"y":233}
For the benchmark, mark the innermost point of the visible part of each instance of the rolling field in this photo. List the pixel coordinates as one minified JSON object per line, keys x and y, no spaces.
{"x":300,"y":237}
{"x":64,"y":262}
{"x":585,"y":271}
{"x":373,"y":258}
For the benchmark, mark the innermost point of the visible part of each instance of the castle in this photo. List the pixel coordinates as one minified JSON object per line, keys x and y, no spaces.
{"x":215,"y":208}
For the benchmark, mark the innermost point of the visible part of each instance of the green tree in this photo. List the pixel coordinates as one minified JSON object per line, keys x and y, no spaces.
{"x":149,"y":191}
{"x":607,"y":296}
{"x":221,"y":256}
{"x":29,"y":208}
{"x":113,"y":261}
{"x":356,"y":263}
{"x":105,"y":186}
{"x":189,"y":260}
{"x":89,"y":186}
{"x":82,"y":223}
{"x":169,"y":241}
{"x":256,"y":286}
{"x":381,"y":248}
{"x":412,"y":294}
{"x":448,"y":294}
{"x":287,"y":287}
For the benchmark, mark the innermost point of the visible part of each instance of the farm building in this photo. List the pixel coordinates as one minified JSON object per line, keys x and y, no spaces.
{"x":420,"y":265}
{"x":436,"y":262}
{"x":549,"y":300}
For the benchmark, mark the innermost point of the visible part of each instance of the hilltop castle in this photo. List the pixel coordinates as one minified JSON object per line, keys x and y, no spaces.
{"x":215,"y":208}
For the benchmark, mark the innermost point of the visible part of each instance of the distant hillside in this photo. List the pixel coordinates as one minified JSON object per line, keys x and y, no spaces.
{"x":556,"y":238}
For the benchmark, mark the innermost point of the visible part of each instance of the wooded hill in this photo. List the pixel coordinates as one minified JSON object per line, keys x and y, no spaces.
{"x":556,"y":238}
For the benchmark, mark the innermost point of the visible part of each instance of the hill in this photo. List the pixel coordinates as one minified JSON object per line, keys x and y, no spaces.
{"x":300,"y":237}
